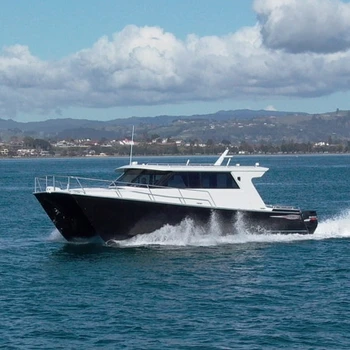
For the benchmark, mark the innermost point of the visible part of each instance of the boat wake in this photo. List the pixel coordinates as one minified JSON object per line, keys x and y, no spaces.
{"x":188,"y":234}
{"x":55,"y":236}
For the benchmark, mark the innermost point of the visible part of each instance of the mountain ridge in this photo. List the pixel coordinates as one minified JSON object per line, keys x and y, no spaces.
{"x":232,"y":125}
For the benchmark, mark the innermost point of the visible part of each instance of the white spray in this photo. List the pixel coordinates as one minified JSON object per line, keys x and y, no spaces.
{"x":187,"y":233}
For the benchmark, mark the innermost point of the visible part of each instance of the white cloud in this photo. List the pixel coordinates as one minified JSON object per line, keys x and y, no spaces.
{"x":148,"y":66}
{"x":320,"y":26}
{"x":270,"y":108}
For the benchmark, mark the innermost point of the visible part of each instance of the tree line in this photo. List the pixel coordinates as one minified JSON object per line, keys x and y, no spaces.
{"x":173,"y":149}
{"x":191,"y":148}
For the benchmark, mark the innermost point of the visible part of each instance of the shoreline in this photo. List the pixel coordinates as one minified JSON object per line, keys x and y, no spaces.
{"x":178,"y":156}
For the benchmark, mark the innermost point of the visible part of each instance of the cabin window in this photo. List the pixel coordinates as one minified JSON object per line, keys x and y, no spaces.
{"x":223,"y":181}
{"x":149,"y":177}
{"x":218,"y":180}
{"x":194,"y":180}
{"x":177,"y":181}
{"x":207,"y":180}
{"x":201,"y":180}
{"x":129,"y":176}
{"x":143,"y":177}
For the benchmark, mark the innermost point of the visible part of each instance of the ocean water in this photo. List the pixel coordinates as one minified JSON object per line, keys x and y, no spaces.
{"x":179,"y":287}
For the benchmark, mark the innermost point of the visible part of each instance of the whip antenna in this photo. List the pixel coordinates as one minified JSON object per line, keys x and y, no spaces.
{"x":132,"y":143}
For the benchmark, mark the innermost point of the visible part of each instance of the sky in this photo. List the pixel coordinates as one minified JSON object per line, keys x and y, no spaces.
{"x":112,"y":59}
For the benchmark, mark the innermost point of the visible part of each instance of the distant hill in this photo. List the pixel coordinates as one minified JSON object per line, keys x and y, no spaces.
{"x":67,"y":123}
{"x":235,"y":125}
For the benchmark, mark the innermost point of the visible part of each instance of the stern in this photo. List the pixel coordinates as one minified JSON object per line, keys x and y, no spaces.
{"x":310,"y":219}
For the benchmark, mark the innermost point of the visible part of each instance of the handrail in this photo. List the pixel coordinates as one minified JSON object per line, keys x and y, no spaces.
{"x":66,"y":183}
{"x":179,"y":164}
{"x":282,"y":207}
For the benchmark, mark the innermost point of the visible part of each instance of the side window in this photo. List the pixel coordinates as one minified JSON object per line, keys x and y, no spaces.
{"x":208,"y":180}
{"x":177,"y":181}
{"x":193,"y":180}
{"x":154,"y":178}
{"x":230,"y":181}
{"x":144,"y":180}
{"x":223,"y":181}
{"x":218,"y":180}
{"x":149,"y":177}
{"x":201,"y":180}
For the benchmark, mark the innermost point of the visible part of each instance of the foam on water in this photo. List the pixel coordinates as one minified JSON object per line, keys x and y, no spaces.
{"x":189,"y":234}
{"x":55,"y":236}
{"x":338,"y":227}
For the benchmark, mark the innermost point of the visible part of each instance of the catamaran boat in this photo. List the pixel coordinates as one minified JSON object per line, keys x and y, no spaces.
{"x":145,"y":197}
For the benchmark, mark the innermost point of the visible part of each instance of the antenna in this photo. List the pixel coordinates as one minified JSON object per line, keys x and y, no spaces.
{"x":132,"y":143}
{"x":222,"y":158}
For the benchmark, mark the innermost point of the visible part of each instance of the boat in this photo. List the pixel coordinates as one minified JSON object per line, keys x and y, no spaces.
{"x":146,"y":196}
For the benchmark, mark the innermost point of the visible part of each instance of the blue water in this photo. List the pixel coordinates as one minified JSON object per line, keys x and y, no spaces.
{"x":179,"y":287}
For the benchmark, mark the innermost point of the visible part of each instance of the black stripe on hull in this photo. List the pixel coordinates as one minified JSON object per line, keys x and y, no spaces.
{"x":120,"y":219}
{"x":67,"y":216}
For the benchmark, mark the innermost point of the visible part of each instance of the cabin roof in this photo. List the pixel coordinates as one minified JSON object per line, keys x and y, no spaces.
{"x":196,"y":168}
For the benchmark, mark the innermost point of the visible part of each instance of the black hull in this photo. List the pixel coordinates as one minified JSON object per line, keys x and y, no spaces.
{"x":67,"y":216}
{"x":83,"y":217}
